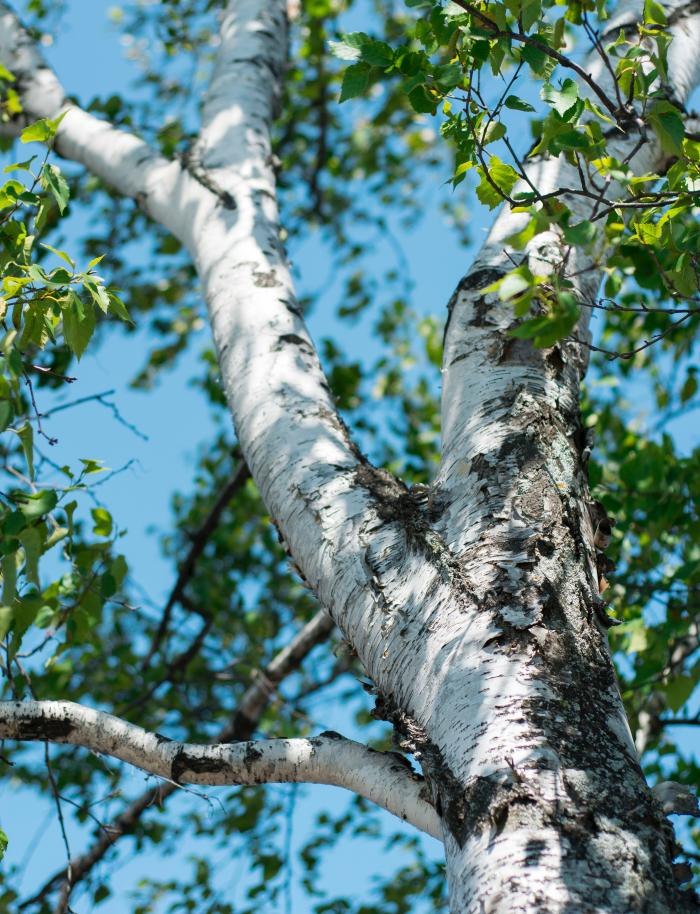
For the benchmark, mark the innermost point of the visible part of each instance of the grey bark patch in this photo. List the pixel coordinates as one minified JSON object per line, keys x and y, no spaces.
{"x":292,"y":306}
{"x":477,"y":279}
{"x":522,"y":447}
{"x":252,"y":755}
{"x":393,"y":501}
{"x":480,"y":314}
{"x":265,"y":279}
{"x":519,"y":352}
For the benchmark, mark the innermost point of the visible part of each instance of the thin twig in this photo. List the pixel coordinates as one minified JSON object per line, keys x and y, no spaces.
{"x":199,"y":541}
{"x":561,"y":59}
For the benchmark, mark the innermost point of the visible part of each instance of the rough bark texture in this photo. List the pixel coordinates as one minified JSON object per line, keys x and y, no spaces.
{"x":474,"y":607}
{"x":548,"y":806}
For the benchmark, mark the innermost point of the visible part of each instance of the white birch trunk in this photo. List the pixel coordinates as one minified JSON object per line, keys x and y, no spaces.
{"x":566,"y":823}
{"x":474,"y":612}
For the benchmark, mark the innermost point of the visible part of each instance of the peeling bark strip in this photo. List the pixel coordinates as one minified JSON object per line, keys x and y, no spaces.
{"x":330,"y":759}
{"x":472,"y":607}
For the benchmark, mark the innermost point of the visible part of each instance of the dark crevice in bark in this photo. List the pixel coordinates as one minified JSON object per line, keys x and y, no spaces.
{"x":44,"y":728}
{"x":183,"y":762}
{"x":192,"y":163}
{"x":293,"y":339}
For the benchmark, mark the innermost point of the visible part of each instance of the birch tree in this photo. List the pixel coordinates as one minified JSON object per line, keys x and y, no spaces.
{"x":472,"y":591}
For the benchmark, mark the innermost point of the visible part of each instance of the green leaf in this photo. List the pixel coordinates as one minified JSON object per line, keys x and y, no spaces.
{"x":514,"y":283}
{"x":562,"y":100}
{"x":6,"y":616}
{"x":582,"y":233}
{"x":667,"y":123}
{"x":53,"y":181}
{"x":103,"y":522}
{"x":6,"y":414}
{"x":62,"y":254}
{"x":421,"y":100}
{"x":101,"y":892}
{"x":548,"y":329}
{"x":41,"y":131}
{"x":9,"y":578}
{"x":9,"y":193}
{"x":355,"y":81}
{"x":654,"y":12}
{"x":690,"y":385}
{"x":638,"y":636}
{"x":572,"y":139}
{"x":344,"y":50}
{"x":3,"y":836}
{"x":504,"y":176}
{"x":519,"y":239}
{"x":8,"y":77}
{"x":517,"y":104}
{"x":538,"y":61}
{"x":529,"y":11}
{"x":678,"y":691}
{"x":448,"y":76}
{"x":118,"y":308}
{"x":119,"y":570}
{"x":377,"y":53}
{"x":26,"y":437}
{"x":78,"y":324}
{"x":56,"y":535}
{"x":25,"y":611}
{"x":494,"y":131}
{"x":92,"y":466}
{"x":360,"y":46}
{"x":37,"y":504}
{"x":19,"y":166}
{"x":99,"y":294}
{"x":32,"y":543}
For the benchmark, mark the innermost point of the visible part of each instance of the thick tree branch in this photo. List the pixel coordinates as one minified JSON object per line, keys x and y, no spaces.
{"x":326,"y":759}
{"x":340,"y":516}
{"x":119,"y":158}
{"x":241,"y":726}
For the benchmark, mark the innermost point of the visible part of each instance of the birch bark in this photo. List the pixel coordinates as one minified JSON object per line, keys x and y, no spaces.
{"x":474,"y":610}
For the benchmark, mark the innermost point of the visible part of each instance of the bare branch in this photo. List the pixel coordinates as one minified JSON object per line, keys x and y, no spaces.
{"x":325,"y":759}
